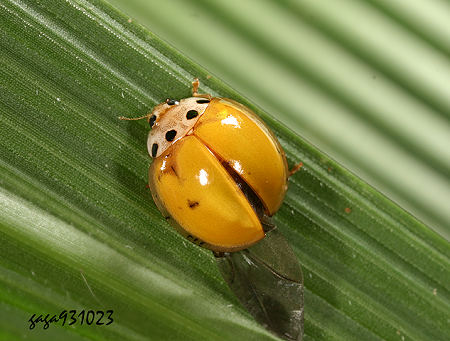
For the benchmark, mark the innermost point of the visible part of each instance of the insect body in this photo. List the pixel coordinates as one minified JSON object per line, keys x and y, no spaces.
{"x":218,"y":174}
{"x":205,"y":150}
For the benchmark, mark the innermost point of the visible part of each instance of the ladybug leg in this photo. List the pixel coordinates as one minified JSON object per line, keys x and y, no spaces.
{"x":295,"y":169}
{"x":195,"y":85}
{"x":219,"y":254}
{"x":267,"y":224}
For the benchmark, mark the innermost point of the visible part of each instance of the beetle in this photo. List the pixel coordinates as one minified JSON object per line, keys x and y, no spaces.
{"x":218,"y":175}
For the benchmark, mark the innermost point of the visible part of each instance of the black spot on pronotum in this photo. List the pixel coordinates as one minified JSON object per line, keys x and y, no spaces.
{"x":154,"y":149}
{"x":192,"y":204}
{"x":172,"y":102}
{"x":191,"y":114}
{"x":203,"y":101}
{"x":170,"y":135}
{"x":152,"y":120}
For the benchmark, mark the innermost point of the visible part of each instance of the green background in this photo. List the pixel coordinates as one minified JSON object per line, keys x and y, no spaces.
{"x":364,"y":81}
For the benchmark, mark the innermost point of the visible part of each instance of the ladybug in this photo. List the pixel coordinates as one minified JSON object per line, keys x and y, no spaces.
{"x":218,"y":175}
{"x":218,"y":172}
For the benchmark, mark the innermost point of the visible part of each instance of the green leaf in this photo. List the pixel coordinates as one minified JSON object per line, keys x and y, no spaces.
{"x":78,"y":228}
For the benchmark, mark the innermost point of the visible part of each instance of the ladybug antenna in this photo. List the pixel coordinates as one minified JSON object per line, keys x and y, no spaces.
{"x":123,"y":118}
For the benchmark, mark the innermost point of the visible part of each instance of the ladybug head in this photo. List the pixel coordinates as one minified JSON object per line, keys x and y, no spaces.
{"x":172,"y":120}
